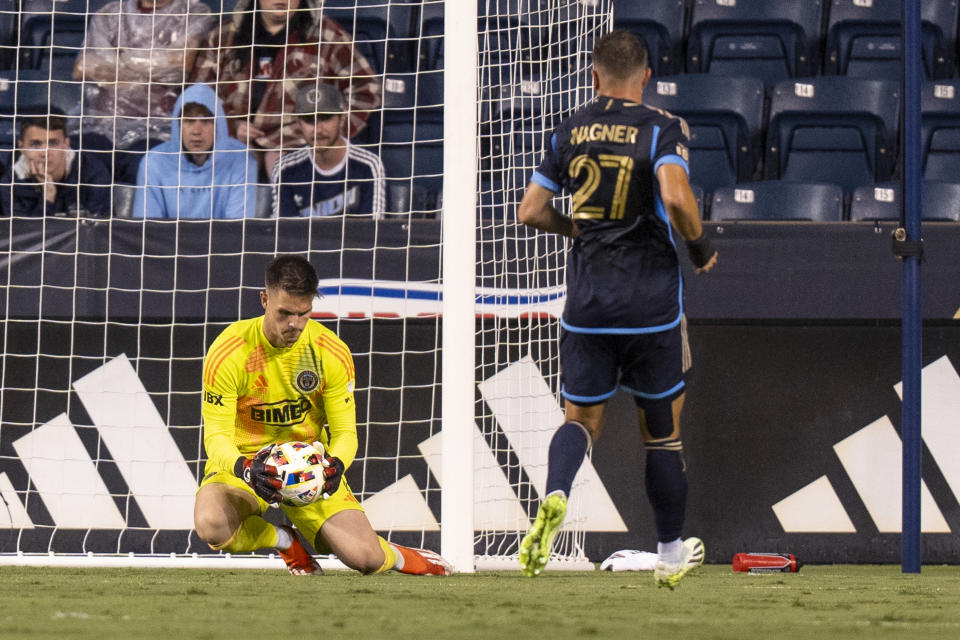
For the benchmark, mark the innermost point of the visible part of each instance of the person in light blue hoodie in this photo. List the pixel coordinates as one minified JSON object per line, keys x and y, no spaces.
{"x":201,"y":172}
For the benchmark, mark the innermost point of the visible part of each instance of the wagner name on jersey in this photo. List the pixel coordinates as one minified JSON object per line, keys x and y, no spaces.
{"x":355,"y":186}
{"x":606,"y":155}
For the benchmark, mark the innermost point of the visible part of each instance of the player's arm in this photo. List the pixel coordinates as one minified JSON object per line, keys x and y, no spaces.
{"x":339,"y":405}
{"x":220,"y":390}
{"x":681,"y":206}
{"x":340,"y":409}
{"x":536,"y":210}
{"x":221,"y":386}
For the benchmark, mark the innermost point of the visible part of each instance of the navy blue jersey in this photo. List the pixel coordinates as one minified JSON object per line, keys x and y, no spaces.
{"x":300,"y":188}
{"x":623,"y":272}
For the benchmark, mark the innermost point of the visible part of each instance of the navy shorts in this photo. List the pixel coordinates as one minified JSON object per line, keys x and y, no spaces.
{"x":651,"y":366}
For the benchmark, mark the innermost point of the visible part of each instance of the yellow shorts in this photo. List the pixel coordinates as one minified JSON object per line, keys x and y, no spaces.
{"x":308,"y":519}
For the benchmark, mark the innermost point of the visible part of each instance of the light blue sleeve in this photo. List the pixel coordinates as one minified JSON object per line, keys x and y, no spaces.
{"x":147,"y":200}
{"x":251,"y":186}
{"x":238,"y":193}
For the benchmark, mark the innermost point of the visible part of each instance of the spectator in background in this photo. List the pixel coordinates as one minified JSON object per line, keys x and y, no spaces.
{"x":201,"y":172}
{"x":135,"y":58}
{"x":50,"y":178}
{"x":254,"y":57}
{"x":328,"y":176}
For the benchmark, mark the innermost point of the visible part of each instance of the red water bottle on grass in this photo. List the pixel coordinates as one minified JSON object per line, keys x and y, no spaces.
{"x":765,"y":563}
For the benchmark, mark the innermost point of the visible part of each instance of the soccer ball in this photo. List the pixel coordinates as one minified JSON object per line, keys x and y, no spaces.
{"x":300,"y":468}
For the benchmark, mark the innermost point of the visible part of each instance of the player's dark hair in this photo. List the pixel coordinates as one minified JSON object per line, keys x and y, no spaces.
{"x":52,"y":119}
{"x":292,"y":274}
{"x":620,"y":54}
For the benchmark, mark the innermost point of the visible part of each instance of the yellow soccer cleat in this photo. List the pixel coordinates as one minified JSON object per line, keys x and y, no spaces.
{"x":535,"y":546}
{"x":669,"y":575}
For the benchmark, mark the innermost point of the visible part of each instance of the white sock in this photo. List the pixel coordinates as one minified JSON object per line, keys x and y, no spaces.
{"x":558,"y":492}
{"x":399,"y":564}
{"x":284,"y":539}
{"x":670,"y":552}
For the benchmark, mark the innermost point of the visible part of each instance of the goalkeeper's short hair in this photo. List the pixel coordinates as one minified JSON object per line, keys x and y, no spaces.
{"x":292,"y":274}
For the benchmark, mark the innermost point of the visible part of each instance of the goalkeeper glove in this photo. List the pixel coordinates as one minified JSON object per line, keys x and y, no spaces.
{"x":333,"y":472}
{"x":261,"y":477}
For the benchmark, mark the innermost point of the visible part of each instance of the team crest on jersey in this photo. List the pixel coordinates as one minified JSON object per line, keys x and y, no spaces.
{"x":307,"y":381}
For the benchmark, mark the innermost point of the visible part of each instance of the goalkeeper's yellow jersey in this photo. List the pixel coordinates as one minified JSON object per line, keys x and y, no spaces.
{"x":256,"y":394}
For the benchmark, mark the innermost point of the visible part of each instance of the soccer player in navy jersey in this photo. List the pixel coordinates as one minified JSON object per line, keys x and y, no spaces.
{"x":625,"y":165}
{"x":329,"y":176}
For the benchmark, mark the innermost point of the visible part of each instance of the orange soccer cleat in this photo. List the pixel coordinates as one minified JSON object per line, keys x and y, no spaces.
{"x":421,"y":562}
{"x":299,"y":562}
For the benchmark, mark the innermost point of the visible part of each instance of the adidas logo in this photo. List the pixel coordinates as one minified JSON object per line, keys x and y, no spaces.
{"x":527,"y":412}
{"x":872,"y":458}
{"x":160,"y":479}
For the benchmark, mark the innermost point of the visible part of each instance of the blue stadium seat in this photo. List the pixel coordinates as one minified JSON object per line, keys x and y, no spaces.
{"x":411,"y":145}
{"x":524,"y":112}
{"x":881,"y":201}
{"x":769,"y":39}
{"x":660,"y":24}
{"x":58,"y":67}
{"x":832,"y":129}
{"x":53,"y":34}
{"x":775,"y":200}
{"x":9,"y":27}
{"x":940,"y":130}
{"x":863,"y":38}
{"x":35,"y":89}
{"x":380,"y":29}
{"x":429,"y":36}
{"x":725,"y":115}
{"x":517,"y":30}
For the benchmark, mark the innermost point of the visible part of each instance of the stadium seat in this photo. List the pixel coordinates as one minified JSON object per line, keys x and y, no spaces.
{"x":524,"y":112}
{"x":54,"y":31}
{"x":769,"y":39}
{"x":775,"y":200}
{"x":517,"y":30}
{"x":59,"y":67}
{"x":411,"y":145}
{"x":940,"y":130}
{"x":863,"y":38}
{"x":832,"y":129}
{"x":381,"y":31}
{"x":725,"y":115}
{"x":429,"y":36}
{"x":8,"y":91}
{"x":9,"y":27}
{"x":33,"y":88}
{"x":63,"y":94}
{"x":660,"y":24}
{"x":881,"y":201}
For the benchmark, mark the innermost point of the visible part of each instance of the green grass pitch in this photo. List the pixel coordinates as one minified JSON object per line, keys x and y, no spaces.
{"x":821,"y":602}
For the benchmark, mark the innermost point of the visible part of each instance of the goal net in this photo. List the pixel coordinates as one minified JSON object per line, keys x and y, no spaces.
{"x":107,"y":317}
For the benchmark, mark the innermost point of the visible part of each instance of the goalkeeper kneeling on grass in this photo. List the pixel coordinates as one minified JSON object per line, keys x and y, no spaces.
{"x":283,"y":377}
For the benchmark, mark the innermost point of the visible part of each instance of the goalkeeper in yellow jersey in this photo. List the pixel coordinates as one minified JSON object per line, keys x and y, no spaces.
{"x":277,"y":378}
